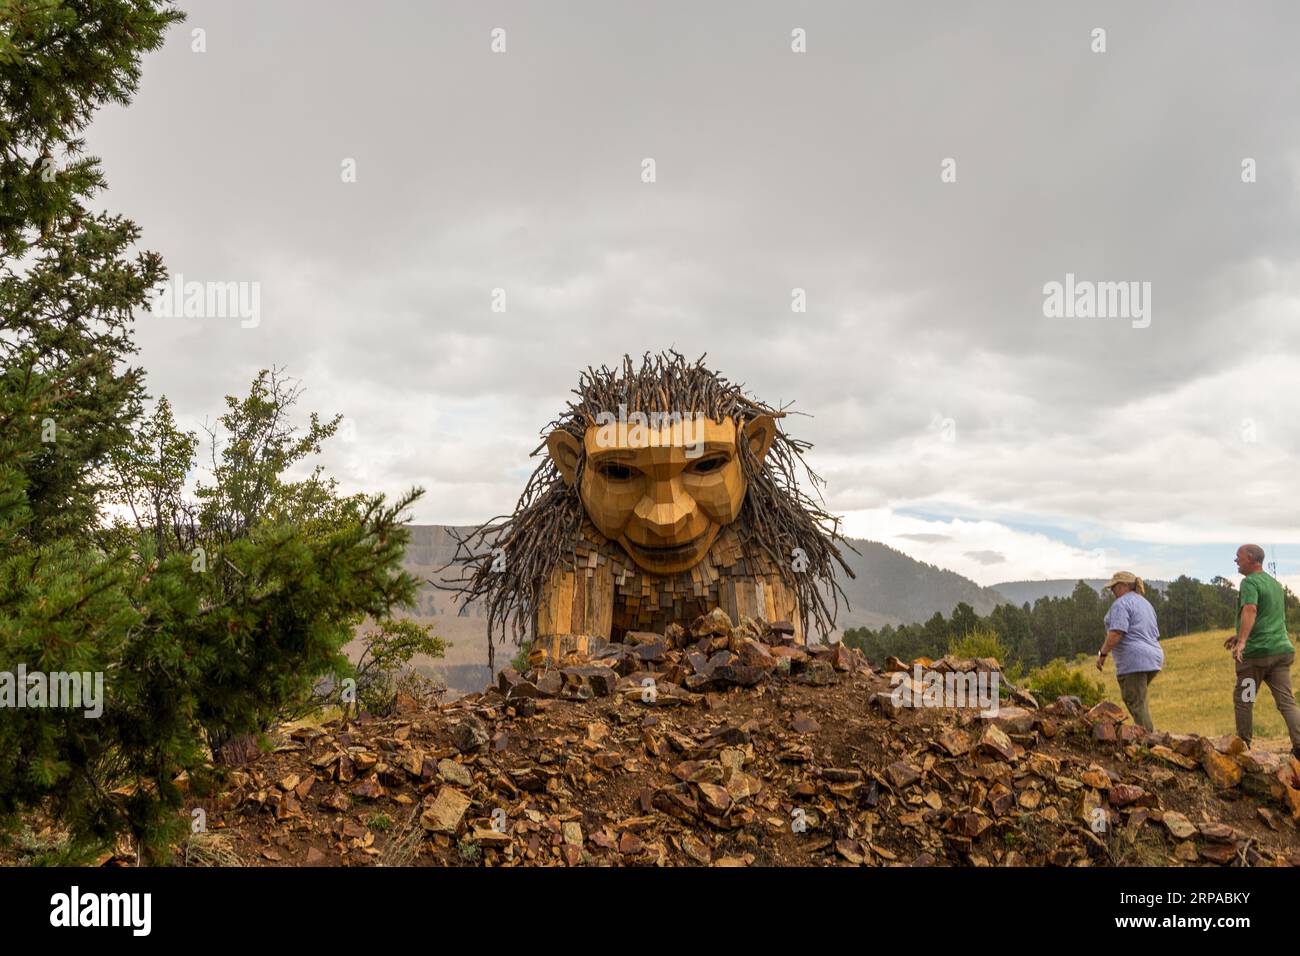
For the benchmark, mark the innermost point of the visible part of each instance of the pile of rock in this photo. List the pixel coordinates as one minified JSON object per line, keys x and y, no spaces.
{"x":1226,"y":760}
{"x":713,"y":654}
{"x":730,"y":745}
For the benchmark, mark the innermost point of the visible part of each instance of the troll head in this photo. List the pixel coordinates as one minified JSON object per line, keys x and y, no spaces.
{"x":659,"y":458}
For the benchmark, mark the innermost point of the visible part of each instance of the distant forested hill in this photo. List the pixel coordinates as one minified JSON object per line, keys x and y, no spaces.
{"x":1019,"y":592}
{"x":892,"y":588}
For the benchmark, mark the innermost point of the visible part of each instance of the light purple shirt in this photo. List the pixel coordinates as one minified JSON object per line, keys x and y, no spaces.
{"x":1139,"y":649}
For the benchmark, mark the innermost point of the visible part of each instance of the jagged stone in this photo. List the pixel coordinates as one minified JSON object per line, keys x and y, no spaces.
{"x":1178,"y":825}
{"x":455,"y":773}
{"x":955,"y":742}
{"x":1065,"y":706}
{"x":599,"y":680}
{"x":1107,"y":710}
{"x":1015,"y":720}
{"x":1259,"y":761}
{"x":1217,"y":832}
{"x":445,"y":813}
{"x":469,"y":735}
{"x":549,"y":684}
{"x":1221,"y":853}
{"x":714,"y":624}
{"x":993,"y":740}
{"x":1223,"y":770}
{"x":1173,"y":757}
{"x":512,"y":684}
{"x":1096,"y":778}
{"x":817,"y":673}
{"x":1123,"y":794}
{"x":902,"y":774}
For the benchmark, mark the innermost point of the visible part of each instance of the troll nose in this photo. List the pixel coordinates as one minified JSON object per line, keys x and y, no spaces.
{"x":667,"y":512}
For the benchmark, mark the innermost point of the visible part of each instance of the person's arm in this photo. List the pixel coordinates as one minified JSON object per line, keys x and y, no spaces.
{"x":1112,"y":638}
{"x":1116,"y":624}
{"x":1246,"y":619}
{"x":1248,"y":614}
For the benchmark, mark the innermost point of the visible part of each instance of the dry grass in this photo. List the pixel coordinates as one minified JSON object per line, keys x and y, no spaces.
{"x":211,"y":849}
{"x":404,"y":844}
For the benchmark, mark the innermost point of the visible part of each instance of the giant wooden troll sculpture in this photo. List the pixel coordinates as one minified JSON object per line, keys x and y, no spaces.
{"x":665,"y":492}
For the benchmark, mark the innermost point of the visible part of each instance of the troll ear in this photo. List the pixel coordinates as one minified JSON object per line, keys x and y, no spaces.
{"x":759,"y":433}
{"x":566,"y":452}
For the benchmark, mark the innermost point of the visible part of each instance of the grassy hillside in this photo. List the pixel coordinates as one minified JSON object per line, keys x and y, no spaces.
{"x":1193,"y":694}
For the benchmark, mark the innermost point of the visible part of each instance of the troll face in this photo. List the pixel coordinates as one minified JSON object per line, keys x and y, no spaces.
{"x":661,"y":488}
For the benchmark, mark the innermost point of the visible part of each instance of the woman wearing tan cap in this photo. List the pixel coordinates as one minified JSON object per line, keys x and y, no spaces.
{"x":1134,"y":636}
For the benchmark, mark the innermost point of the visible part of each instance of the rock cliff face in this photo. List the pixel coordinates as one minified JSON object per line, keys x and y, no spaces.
{"x":729,"y":746}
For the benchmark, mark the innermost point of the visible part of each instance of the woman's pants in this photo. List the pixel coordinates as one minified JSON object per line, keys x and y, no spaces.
{"x":1133,"y":688}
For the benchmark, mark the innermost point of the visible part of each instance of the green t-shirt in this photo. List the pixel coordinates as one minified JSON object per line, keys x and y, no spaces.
{"x":1268,"y":636}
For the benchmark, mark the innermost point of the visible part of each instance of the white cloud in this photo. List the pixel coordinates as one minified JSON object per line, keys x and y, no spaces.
{"x":960,"y":545}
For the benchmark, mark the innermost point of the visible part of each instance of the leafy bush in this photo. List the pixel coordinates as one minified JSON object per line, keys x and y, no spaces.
{"x":980,"y":642}
{"x":384,"y":666}
{"x":1057,"y":679}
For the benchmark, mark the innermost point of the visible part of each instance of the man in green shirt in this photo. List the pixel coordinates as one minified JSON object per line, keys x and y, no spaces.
{"x":1261,"y":647}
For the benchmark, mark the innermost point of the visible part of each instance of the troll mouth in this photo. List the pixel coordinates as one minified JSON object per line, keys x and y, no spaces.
{"x":667,"y":552}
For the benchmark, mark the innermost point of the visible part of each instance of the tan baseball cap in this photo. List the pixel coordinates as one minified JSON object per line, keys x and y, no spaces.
{"x":1120,"y":577}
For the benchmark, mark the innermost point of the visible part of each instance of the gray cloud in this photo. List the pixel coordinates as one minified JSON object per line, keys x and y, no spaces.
{"x":521,"y":171}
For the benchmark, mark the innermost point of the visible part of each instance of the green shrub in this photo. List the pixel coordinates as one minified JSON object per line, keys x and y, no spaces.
{"x":384,"y":666}
{"x":980,"y":642}
{"x":469,"y":851}
{"x":1057,"y":679}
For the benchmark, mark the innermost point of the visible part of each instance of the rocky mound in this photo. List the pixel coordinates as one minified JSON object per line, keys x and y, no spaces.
{"x":732,"y":746}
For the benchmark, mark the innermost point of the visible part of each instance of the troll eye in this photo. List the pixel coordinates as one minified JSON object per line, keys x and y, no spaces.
{"x":709,"y":465}
{"x":615,"y":472}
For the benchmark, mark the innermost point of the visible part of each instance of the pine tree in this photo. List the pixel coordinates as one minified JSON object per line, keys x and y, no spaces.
{"x":68,"y":288}
{"x":205,"y":618}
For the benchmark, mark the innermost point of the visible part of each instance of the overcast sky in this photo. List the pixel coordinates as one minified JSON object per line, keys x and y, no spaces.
{"x":953,"y":419}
